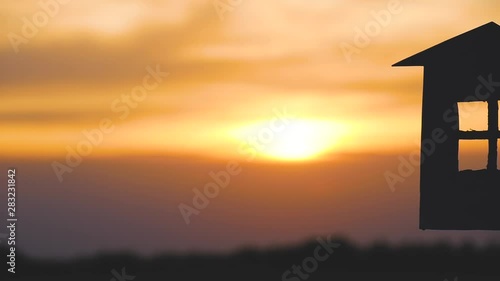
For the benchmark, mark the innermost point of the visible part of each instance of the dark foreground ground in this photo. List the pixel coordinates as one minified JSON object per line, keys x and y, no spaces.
{"x":344,"y":261}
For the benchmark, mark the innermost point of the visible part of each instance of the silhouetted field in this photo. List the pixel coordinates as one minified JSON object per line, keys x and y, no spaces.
{"x":379,"y":261}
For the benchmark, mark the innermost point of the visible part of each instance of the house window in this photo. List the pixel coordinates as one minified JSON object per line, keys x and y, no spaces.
{"x":472,"y":154}
{"x":479,"y":134}
{"x":473,"y":116}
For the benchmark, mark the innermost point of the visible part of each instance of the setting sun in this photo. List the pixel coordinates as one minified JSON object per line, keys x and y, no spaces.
{"x":295,"y":141}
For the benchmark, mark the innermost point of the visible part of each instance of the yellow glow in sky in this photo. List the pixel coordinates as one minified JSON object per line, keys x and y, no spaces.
{"x":298,"y":139}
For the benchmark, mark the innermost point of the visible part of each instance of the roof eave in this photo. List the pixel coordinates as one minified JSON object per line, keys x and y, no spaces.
{"x":411,"y":61}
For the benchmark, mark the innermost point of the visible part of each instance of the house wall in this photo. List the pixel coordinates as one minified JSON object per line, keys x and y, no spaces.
{"x":438,"y":169}
{"x":445,"y":203}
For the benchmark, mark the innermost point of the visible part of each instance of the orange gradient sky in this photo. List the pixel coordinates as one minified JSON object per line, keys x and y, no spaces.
{"x":224,"y":74}
{"x":266,"y":84}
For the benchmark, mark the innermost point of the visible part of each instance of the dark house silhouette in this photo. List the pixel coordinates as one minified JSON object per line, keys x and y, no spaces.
{"x":465,"y":68}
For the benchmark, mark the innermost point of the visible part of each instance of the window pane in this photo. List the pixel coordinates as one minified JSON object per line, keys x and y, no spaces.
{"x":473,"y":116}
{"x":472,"y":154}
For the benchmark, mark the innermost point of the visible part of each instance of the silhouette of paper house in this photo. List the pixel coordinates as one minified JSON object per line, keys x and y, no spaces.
{"x":465,"y":68}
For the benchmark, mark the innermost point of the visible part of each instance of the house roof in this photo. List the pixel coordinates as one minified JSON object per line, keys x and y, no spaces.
{"x":480,"y":42}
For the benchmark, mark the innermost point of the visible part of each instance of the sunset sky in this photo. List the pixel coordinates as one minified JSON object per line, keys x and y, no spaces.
{"x":224,"y":72}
